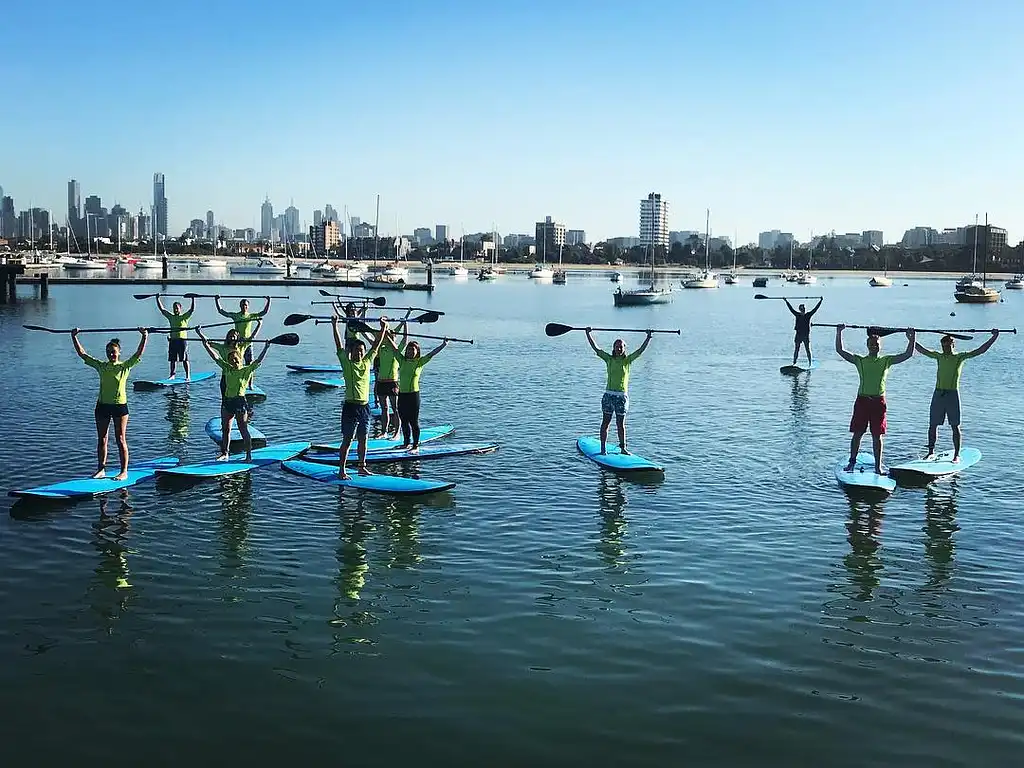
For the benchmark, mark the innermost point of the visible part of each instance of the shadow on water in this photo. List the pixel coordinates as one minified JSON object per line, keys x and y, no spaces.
{"x":178,"y":416}
{"x":940,"y":508}
{"x":864,"y":529}
{"x":110,"y":591}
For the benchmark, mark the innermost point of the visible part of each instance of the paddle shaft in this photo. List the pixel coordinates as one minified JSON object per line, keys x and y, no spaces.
{"x":784,"y":298}
{"x":557,"y":329}
{"x":94,"y":330}
{"x":887,"y":330}
{"x":370,"y":329}
{"x":201,"y":296}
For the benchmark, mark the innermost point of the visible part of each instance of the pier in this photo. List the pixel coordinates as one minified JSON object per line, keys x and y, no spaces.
{"x":44,"y":280}
{"x":9,"y":271}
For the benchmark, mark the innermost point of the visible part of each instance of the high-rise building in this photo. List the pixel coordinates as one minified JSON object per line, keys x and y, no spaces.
{"x":550,"y":236}
{"x":768,"y":240}
{"x":325,"y":236}
{"x":331,"y":213}
{"x":74,"y":202}
{"x":210,"y":223}
{"x":291,"y":223}
{"x":318,"y":217}
{"x":991,"y":239}
{"x":143,"y":225}
{"x":654,"y":221}
{"x":918,"y":237}
{"x":160,"y":204}
{"x":575,"y":237}
{"x":423,"y":236}
{"x":871,"y":238}
{"x":119,"y":219}
{"x":266,"y":219}
{"x":8,"y":221}
{"x":440,"y":233}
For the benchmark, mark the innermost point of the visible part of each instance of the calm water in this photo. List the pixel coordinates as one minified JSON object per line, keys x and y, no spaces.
{"x":741,"y":612}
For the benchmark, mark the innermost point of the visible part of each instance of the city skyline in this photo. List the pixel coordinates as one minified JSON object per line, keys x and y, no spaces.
{"x":771,"y":115}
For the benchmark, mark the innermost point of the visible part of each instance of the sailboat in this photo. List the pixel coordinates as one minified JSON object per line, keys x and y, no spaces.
{"x":459,"y":270}
{"x":883,"y":280}
{"x":730,"y":277}
{"x":542,"y":271}
{"x":643,"y":296}
{"x":559,"y":277}
{"x":806,"y":278}
{"x":969,"y":290}
{"x":707,"y":278}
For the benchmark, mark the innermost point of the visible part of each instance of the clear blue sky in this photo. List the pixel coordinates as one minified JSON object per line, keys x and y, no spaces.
{"x":803,"y":115}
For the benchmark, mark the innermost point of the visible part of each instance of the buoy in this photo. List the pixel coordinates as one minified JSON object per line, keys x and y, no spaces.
{"x":952,"y":314}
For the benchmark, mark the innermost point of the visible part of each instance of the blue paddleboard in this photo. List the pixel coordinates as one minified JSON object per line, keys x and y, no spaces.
{"x":215,"y":434}
{"x":863,"y":477}
{"x":799,"y":367}
{"x":428,"y":434}
{"x":937,"y":465}
{"x":316,"y":368}
{"x":86,"y":486}
{"x":255,"y":393}
{"x":433,"y":451}
{"x":261,"y":457}
{"x":401,"y":486}
{"x":614,"y":459}
{"x":325,"y":383}
{"x":175,"y":382}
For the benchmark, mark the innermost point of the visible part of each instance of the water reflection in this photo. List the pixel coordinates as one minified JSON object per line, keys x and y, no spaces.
{"x":178,"y":416}
{"x":611,"y":499}
{"x":864,"y":529}
{"x":109,"y":592}
{"x":939,"y":527}
{"x":800,"y":397}
{"x":349,"y":618}
{"x":236,"y":510}
{"x":401,"y":524}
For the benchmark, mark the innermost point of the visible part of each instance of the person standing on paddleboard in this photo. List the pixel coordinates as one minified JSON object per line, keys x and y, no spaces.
{"x":222,"y":348}
{"x":356,"y":365}
{"x":112,"y":403}
{"x":869,"y":408}
{"x":349,"y":312}
{"x":945,"y":404}
{"x":177,"y":347}
{"x":385,"y":391}
{"x":616,"y":398}
{"x":244,"y":320}
{"x":410,"y":366}
{"x":803,"y":328}
{"x":233,"y":405}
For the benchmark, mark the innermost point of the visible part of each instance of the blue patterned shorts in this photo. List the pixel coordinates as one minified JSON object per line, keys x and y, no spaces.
{"x":615,"y":402}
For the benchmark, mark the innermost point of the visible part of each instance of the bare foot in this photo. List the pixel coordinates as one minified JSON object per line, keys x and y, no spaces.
{"x":414,"y":449}
{"x":623,"y":451}
{"x":223,"y":457}
{"x":364,"y":471}
{"x":101,"y":472}
{"x":121,"y":475}
{"x":850,"y":466}
{"x":956,"y":459}
{"x":248,"y":458}
{"x":878,"y":471}
{"x":602,"y":452}
{"x":344,"y":476}
{"x":403,"y":446}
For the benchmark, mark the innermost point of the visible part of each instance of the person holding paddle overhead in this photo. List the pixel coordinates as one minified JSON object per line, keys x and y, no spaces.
{"x":945,"y":404}
{"x":803,"y":328}
{"x":244,"y":321}
{"x":232,"y":341}
{"x":385,"y":390}
{"x":410,"y":366}
{"x":349,"y":312}
{"x":869,"y":408}
{"x":616,"y":399}
{"x":356,"y":364}
{"x":112,"y":403}
{"x":233,"y":405}
{"x":177,"y":349}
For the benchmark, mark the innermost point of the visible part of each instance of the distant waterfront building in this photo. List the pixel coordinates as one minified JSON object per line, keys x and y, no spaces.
{"x":784,"y":240}
{"x":549,"y":235}
{"x":575,"y":237}
{"x":624,"y":243}
{"x":8,"y":221}
{"x":919,"y":237}
{"x":871,"y":238}
{"x":120,"y":220}
{"x":518,"y":241}
{"x":266,"y":219}
{"x":654,"y":221}
{"x":362,"y":229}
{"x":715,"y":243}
{"x":291,"y":222}
{"x":246,"y":235}
{"x":318,"y":217}
{"x":210,"y":223}
{"x":325,"y":236}
{"x":74,"y":203}
{"x":331,"y":214}
{"x":681,"y":235}
{"x":160,"y":204}
{"x":423,"y":236}
{"x":991,"y":239}
{"x":441,"y":233}
{"x":769,"y":239}
{"x":849,"y":240}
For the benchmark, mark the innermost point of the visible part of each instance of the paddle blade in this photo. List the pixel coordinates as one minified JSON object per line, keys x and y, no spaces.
{"x":38,"y":328}
{"x":427,"y":317}
{"x":359,"y":326}
{"x":557,"y":329}
{"x":295,"y":319}
{"x":145,"y":295}
{"x":324,"y":293}
{"x":380,"y":301}
{"x":760,"y":296}
{"x":286,"y":339}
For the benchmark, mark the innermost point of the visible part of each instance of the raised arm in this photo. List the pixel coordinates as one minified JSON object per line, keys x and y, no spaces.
{"x":380,"y":336}
{"x":266,"y":348}
{"x":924,"y":350}
{"x":206,"y":344}
{"x":816,"y":307}
{"x":161,"y":307}
{"x":256,"y":329}
{"x":79,"y":349}
{"x":593,"y":345}
{"x":435,"y":350}
{"x":839,"y":346}
{"x":909,"y":351}
{"x":192,"y":305}
{"x":266,"y":308}
{"x":337,"y":334}
{"x":986,"y":346}
{"x":220,"y":309}
{"x":142,"y":344}
{"x":790,"y":307}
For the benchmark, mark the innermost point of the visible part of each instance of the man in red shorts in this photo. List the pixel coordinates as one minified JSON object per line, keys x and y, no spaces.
{"x":869,"y":408}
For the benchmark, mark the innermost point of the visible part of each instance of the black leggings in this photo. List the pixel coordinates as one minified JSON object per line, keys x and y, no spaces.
{"x":409,"y":413}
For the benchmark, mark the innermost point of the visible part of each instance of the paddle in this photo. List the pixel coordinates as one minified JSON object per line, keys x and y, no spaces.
{"x":416,"y":309}
{"x":358,"y":325}
{"x":380,"y":301}
{"x":285,"y":339}
{"x":200,"y":296}
{"x":784,"y":298}
{"x":296,"y":319}
{"x":881,"y":330}
{"x":94,"y":330}
{"x":557,"y":329}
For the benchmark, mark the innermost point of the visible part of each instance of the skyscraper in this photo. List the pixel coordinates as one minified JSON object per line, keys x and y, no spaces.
{"x":440,"y":233}
{"x":8,"y":221}
{"x":331,"y":213}
{"x":654,"y":221}
{"x":74,"y":203}
{"x":318,"y":217}
{"x":550,"y":236}
{"x":159,"y":204}
{"x":209,"y":225}
{"x":266,"y":219}
{"x":291,"y":222}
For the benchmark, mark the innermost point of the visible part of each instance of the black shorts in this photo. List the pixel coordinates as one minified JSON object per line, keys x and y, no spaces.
{"x":177,"y":350}
{"x":247,"y":357}
{"x":111,"y":410}
{"x":801,"y":338}
{"x":236,"y":406}
{"x":355,"y":419}
{"x":382,"y":390}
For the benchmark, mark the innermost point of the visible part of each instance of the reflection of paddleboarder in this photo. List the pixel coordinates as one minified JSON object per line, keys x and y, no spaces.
{"x":112,"y":403}
{"x":869,"y":408}
{"x":803,"y":328}
{"x":615,"y":399}
{"x":177,"y":348}
{"x":945,"y":404}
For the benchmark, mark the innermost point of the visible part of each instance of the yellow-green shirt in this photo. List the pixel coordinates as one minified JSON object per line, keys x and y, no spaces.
{"x":409,"y":372}
{"x":222,"y":348}
{"x":618,"y":370}
{"x":873,"y":371}
{"x":244,"y":321}
{"x":113,"y":378}
{"x":357,"y":377}
{"x":236,"y":380}
{"x":387,"y":370}
{"x":178,"y":322}
{"x":947,"y":375}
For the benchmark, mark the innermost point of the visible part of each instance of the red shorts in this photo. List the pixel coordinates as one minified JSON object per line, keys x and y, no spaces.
{"x":868,"y":411}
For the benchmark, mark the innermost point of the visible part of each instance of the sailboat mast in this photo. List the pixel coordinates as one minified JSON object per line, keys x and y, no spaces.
{"x":984,"y":257}
{"x":974,"y":264}
{"x":376,"y":223}
{"x":707,"y":241}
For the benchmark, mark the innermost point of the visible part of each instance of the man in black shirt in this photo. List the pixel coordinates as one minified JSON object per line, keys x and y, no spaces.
{"x":803,"y":329}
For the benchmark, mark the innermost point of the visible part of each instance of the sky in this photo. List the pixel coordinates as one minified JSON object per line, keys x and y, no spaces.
{"x":798,"y":115}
